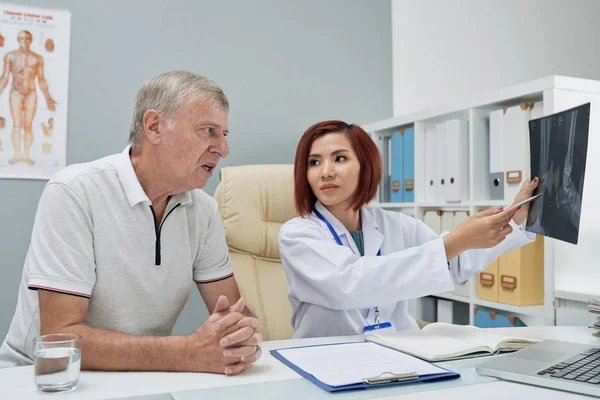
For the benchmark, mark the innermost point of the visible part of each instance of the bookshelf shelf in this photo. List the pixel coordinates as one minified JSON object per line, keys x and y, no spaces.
{"x":554,"y":93}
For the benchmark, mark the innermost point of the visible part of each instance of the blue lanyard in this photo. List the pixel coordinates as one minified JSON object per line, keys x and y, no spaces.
{"x":333,"y":232}
{"x":339,"y":241}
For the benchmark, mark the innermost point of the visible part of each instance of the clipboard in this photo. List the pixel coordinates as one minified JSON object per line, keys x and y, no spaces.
{"x":381,"y":380}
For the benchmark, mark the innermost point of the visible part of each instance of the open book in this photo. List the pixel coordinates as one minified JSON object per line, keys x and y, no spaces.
{"x":443,"y":342}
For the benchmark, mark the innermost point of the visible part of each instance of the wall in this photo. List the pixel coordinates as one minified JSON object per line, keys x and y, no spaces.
{"x":283,"y":65}
{"x":444,"y":51}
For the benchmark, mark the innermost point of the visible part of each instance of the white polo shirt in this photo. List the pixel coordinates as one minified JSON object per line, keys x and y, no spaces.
{"x":95,"y":236}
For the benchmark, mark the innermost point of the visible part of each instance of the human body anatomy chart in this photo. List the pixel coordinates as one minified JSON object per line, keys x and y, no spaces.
{"x":34,"y":49}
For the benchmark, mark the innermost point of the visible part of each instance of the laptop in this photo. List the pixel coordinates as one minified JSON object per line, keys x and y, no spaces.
{"x":571,"y":367}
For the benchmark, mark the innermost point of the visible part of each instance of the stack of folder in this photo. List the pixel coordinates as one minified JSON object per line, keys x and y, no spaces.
{"x":594,"y":309}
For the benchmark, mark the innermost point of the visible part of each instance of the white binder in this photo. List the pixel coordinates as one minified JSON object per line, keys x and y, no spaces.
{"x":496,"y":152}
{"x":440,"y":156}
{"x":537,"y":110}
{"x":447,"y":221}
{"x":496,"y":142}
{"x":456,"y":174}
{"x":445,"y":312}
{"x":516,"y":149}
{"x":430,"y":164}
{"x":433,"y":220}
{"x":460,"y":216}
{"x":461,"y":289}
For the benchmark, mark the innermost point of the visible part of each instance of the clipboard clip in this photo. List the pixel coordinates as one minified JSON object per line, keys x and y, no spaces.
{"x":386,"y":377}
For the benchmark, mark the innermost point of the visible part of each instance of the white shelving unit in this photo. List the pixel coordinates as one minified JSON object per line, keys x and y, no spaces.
{"x":454,"y":297}
{"x":395,"y":205}
{"x":557,"y":93}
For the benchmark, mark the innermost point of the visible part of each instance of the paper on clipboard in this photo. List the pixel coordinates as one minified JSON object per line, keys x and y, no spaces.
{"x":350,"y":363}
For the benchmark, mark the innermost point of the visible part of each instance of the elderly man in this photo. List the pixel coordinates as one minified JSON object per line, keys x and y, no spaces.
{"x":117,"y":241}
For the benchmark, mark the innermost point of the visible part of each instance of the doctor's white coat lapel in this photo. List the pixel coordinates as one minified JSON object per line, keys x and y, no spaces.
{"x":373,"y":240}
{"x":340,"y":229}
{"x":371,"y":233}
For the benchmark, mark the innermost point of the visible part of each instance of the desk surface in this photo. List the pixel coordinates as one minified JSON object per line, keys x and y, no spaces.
{"x":270,"y":377}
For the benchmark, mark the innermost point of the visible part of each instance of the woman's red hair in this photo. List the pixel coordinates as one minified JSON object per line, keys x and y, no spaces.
{"x":368,"y":158}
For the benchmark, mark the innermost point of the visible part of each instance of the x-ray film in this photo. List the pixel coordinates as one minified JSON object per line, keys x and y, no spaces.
{"x":558,"y":145}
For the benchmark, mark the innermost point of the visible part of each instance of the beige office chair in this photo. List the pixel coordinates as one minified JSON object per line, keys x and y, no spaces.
{"x":255,"y":200}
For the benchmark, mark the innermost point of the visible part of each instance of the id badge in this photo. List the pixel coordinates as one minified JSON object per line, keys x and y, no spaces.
{"x":377,"y":327}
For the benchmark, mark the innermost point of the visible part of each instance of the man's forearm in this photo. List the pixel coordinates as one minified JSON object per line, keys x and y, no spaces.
{"x":114,"y":351}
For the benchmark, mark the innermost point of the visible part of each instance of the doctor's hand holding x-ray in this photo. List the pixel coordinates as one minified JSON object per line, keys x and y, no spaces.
{"x":488,"y":228}
{"x":350,"y":266}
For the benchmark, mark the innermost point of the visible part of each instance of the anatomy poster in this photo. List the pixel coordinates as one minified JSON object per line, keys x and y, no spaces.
{"x":559,"y":145}
{"x":34,"y":49}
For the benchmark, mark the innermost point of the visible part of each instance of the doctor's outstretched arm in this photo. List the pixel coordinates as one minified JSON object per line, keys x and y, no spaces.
{"x":323,"y":273}
{"x":480,"y":255}
{"x":470,"y":255}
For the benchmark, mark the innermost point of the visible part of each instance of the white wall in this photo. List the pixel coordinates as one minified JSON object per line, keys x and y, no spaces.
{"x":448,"y":50}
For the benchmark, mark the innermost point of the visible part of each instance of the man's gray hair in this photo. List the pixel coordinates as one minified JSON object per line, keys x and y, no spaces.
{"x":168,"y":93}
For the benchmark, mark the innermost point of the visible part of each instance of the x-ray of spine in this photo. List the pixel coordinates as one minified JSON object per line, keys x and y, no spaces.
{"x":558,"y":146}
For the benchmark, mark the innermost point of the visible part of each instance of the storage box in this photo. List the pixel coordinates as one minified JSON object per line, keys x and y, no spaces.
{"x":487,"y":283}
{"x":521,"y":275}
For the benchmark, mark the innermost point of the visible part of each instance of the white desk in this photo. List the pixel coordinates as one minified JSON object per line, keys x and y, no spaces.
{"x":269,"y":377}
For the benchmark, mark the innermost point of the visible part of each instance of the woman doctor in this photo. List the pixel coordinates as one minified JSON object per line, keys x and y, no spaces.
{"x":349,"y":266}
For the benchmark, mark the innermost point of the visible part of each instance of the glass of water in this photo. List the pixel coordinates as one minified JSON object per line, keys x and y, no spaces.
{"x":57,"y":361}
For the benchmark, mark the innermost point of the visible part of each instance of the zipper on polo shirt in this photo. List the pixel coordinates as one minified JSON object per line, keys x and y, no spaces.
{"x":158,"y":228}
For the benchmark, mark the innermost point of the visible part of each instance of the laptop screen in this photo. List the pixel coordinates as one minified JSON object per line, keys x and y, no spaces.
{"x":558,"y":145}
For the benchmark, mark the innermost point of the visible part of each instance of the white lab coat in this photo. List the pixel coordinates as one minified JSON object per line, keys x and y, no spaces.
{"x":333,"y":290}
